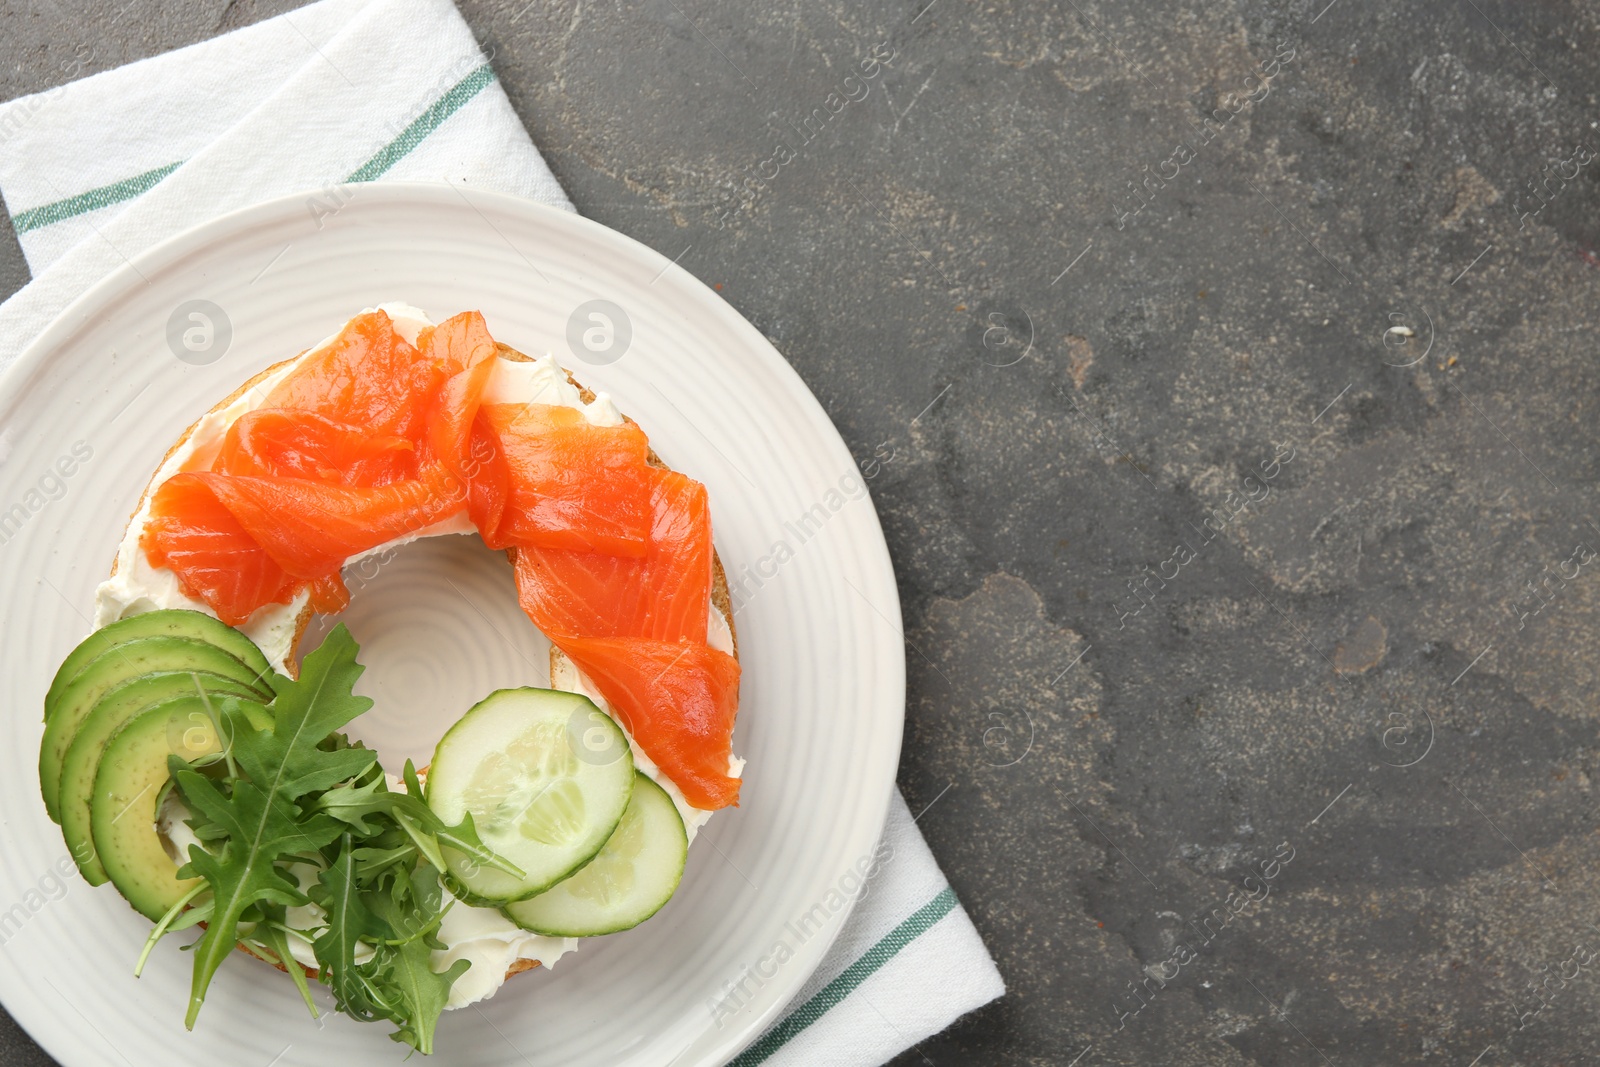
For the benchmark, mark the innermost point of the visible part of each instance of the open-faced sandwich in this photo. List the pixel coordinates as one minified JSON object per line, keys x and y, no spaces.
{"x":199,"y":767}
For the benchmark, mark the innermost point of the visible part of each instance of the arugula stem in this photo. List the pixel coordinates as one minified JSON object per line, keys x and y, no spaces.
{"x":428,"y":848}
{"x":166,"y":921}
{"x":216,"y":723}
{"x":303,"y":935}
{"x":373,"y":992}
{"x":422,"y":931}
{"x":486,"y":856}
{"x":278,"y":942}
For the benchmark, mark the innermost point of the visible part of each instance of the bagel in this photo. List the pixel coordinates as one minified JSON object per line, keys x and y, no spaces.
{"x":128,"y":589}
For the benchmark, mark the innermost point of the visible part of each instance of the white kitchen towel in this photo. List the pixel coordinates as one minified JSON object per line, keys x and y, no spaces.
{"x":346,"y":90}
{"x":907,"y":964}
{"x":98,"y":170}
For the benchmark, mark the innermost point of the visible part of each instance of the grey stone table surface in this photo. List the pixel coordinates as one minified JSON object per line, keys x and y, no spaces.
{"x":1224,"y":376}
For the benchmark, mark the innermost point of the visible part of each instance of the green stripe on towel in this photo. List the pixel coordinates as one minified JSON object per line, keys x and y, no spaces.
{"x":391,"y":153}
{"x":426,"y":123}
{"x":853,"y":975}
{"x":93,"y":200}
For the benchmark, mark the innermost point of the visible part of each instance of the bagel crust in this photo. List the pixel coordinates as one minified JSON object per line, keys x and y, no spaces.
{"x":720,"y":596}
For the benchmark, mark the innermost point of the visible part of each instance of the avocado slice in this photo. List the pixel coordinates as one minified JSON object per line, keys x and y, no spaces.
{"x":118,"y":664}
{"x":127,"y":789}
{"x":174,"y":622}
{"x":109,"y":714}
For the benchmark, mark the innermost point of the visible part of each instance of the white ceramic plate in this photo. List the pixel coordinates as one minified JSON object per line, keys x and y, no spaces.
{"x":822,"y":701}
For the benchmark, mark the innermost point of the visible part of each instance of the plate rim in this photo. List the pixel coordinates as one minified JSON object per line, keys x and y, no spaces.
{"x":16,"y":377}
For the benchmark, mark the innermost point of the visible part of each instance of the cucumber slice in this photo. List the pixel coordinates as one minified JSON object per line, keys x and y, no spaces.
{"x":174,"y":622}
{"x":546,"y":776}
{"x":109,"y":714}
{"x":127,"y":789}
{"x":118,"y":664}
{"x":636,"y":873}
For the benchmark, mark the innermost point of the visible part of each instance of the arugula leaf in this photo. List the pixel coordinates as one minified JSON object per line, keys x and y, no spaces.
{"x":413,"y":784}
{"x":356,"y":804}
{"x":286,"y":759}
{"x":373,"y":861}
{"x":339,"y":895}
{"x":275,"y":939}
{"x":404,"y":964}
{"x":290,"y":789}
{"x":260,"y":828}
{"x":422,"y":992}
{"x":261,"y":821}
{"x":427,"y":894}
{"x":463,"y":837}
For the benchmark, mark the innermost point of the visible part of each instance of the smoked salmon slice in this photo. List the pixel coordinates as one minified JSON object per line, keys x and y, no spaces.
{"x":279,"y":443}
{"x":487,"y":476}
{"x":367,"y":376}
{"x":309,"y":528}
{"x":572,"y":485}
{"x":335,"y":462}
{"x":463,"y":347}
{"x":216,"y":560}
{"x":677,"y":700}
{"x":458,"y":436}
{"x":665,"y":595}
{"x":372,"y":438}
{"x":458,"y":343}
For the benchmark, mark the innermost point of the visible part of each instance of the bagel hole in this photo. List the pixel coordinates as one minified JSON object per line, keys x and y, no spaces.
{"x":440,"y":629}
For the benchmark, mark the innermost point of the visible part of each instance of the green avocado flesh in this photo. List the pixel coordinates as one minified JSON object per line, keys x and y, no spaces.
{"x":127,"y":789}
{"x":109,"y":714}
{"x":194,"y":625}
{"x":117,"y":665}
